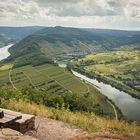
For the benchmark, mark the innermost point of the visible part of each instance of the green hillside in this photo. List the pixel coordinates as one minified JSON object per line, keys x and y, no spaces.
{"x":52,"y":41}
{"x":66,"y":42}
{"x":51,"y":85}
{"x":118,"y":68}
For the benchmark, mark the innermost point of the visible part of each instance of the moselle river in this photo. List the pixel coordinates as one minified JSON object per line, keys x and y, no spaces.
{"x":129,"y":106}
{"x":4,"y":52}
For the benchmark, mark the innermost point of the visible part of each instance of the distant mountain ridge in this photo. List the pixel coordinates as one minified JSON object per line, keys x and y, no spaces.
{"x":52,"y":41}
{"x":16,"y":34}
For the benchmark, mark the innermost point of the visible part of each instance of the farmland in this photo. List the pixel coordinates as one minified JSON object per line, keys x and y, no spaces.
{"x":47,"y":77}
{"x":119,"y":66}
{"x":53,"y":79}
{"x":4,"y":77}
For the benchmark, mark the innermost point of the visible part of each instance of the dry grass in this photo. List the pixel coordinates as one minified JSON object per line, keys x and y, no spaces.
{"x":89,"y":122}
{"x":29,"y":108}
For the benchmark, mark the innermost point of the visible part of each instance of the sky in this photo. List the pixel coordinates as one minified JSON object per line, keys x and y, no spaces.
{"x":114,"y":14}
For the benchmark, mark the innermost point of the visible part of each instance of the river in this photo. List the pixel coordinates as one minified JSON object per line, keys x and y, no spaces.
{"x":129,"y":106}
{"x":4,"y":52}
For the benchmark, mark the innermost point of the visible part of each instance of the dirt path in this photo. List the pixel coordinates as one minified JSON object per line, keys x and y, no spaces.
{"x":46,"y":75}
{"x":11,"y":80}
{"x":48,"y":129}
{"x":30,"y":80}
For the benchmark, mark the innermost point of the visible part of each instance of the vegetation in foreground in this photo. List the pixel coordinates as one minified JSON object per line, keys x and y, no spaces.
{"x":118,"y":68}
{"x":72,"y":101}
{"x":86,"y":121}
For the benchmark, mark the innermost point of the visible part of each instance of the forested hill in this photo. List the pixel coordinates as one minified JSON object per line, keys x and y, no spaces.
{"x":118,"y":38}
{"x":52,"y":41}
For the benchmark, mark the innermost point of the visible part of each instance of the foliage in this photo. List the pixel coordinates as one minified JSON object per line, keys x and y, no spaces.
{"x":6,"y":67}
{"x":32,"y":59}
{"x":10,"y":93}
{"x":73,"y":101}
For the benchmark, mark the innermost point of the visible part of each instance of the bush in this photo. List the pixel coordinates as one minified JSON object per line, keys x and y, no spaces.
{"x":73,"y":101}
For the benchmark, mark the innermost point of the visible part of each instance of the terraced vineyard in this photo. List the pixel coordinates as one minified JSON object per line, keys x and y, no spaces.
{"x":54,"y":80}
{"x":49,"y":77}
{"x":4,"y":78}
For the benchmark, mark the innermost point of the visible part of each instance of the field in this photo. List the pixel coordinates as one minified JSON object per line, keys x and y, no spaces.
{"x":122,"y":66}
{"x":49,"y":77}
{"x":6,"y":67}
{"x":4,"y":77}
{"x":53,"y":79}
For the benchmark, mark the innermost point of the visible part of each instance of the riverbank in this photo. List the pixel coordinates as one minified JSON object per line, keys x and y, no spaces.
{"x":107,"y":80}
{"x":128,"y":105}
{"x":117,"y":112}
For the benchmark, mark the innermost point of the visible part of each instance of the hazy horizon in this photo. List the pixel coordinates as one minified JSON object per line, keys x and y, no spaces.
{"x":99,"y":14}
{"x":71,"y":27}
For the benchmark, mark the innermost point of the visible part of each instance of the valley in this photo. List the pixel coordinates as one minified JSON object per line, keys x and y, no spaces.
{"x":78,"y":71}
{"x":70,"y":69}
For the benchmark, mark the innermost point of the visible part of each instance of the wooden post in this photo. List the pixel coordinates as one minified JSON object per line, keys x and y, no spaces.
{"x":1,"y":114}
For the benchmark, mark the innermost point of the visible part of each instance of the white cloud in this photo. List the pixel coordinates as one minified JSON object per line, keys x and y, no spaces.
{"x":132,"y":9}
{"x":80,"y":13}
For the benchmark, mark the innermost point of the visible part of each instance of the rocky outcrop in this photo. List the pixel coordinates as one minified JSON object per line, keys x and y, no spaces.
{"x":9,"y":134}
{"x":26,"y":123}
{"x":17,"y":121}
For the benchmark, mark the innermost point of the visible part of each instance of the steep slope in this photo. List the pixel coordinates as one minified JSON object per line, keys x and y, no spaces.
{"x":115,"y":38}
{"x":55,"y":41}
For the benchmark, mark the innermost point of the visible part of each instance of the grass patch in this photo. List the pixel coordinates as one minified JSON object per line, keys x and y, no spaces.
{"x":6,"y":67}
